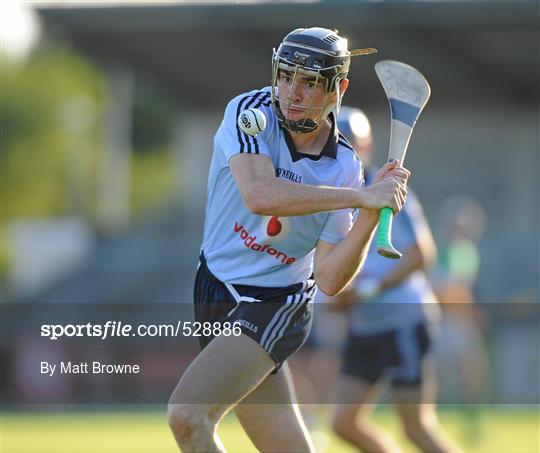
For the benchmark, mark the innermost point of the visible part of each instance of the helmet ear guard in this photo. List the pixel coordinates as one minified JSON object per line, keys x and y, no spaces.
{"x":318,"y":52}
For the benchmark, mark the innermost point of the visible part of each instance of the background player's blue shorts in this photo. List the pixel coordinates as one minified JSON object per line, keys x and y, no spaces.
{"x":395,"y":353}
{"x":279,"y":319}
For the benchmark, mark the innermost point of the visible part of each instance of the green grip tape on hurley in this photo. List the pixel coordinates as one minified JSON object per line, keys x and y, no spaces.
{"x":384,"y":234}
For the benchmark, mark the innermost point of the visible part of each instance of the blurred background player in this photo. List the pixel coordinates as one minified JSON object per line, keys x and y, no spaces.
{"x":389,"y":328}
{"x":462,"y":362}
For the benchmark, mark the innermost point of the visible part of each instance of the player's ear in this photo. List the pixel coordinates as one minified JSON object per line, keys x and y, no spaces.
{"x":343,"y":85}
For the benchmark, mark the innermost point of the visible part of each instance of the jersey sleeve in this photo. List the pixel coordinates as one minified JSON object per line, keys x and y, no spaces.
{"x":230,"y":139}
{"x":339,"y":223}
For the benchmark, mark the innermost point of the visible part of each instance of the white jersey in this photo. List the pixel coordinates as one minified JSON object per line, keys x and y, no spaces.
{"x":244,"y":248}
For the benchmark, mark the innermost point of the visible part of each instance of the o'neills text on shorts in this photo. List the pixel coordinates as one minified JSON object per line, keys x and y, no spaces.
{"x":249,"y":242}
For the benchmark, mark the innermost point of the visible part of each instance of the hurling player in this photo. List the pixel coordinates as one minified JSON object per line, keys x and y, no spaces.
{"x":278,"y":204}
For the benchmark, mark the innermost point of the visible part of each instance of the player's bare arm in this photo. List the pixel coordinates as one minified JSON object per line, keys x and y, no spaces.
{"x":337,"y":265}
{"x":265,"y":194}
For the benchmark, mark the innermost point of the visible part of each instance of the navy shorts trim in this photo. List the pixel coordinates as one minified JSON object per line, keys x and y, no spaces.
{"x":397,"y":353}
{"x":279,"y":319}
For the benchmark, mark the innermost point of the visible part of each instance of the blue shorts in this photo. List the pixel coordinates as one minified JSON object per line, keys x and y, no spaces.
{"x":279,"y":319}
{"x":396,"y":353}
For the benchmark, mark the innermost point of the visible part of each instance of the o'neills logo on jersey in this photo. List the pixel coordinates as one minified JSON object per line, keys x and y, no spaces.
{"x":288,"y":174}
{"x":249,"y":242}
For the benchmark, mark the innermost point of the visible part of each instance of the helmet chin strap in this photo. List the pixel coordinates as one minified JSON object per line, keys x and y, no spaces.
{"x":307,"y":125}
{"x":303,"y":126}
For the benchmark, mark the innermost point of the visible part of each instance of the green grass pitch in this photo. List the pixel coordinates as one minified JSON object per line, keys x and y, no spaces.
{"x":488,"y":430}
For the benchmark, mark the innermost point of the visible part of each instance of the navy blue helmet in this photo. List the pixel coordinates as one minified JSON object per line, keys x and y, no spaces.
{"x":314,"y":52}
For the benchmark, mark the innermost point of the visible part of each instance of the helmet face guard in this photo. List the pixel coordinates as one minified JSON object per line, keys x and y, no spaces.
{"x":282,"y":104}
{"x":321,"y":55}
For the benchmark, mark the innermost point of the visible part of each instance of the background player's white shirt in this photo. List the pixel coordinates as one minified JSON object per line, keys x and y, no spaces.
{"x":244,"y":248}
{"x":404,"y":304}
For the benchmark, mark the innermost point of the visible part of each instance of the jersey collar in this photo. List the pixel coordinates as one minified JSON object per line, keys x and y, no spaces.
{"x":329,"y":149}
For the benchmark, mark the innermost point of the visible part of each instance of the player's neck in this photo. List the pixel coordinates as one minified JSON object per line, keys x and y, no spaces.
{"x":312,"y":142}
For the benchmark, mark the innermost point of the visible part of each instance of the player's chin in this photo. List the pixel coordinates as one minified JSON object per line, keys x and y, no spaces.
{"x":297,"y":116}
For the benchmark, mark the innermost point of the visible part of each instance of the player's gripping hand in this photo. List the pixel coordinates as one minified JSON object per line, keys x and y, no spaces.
{"x":393,"y":168}
{"x":389,"y":188}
